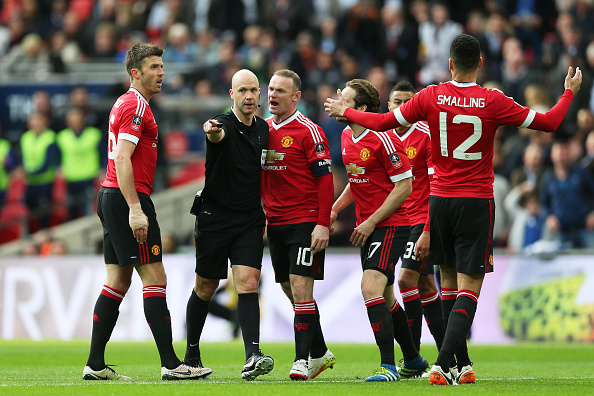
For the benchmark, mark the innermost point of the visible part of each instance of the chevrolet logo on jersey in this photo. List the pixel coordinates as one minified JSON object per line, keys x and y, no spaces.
{"x":272,"y":156}
{"x":355,"y":170}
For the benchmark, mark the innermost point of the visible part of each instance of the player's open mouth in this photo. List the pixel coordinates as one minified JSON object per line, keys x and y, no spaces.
{"x":273,"y":103}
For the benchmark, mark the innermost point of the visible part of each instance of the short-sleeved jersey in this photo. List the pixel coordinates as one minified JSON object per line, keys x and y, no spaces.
{"x":417,"y":146}
{"x":131,"y":119}
{"x":463,"y":118}
{"x":297,"y":155}
{"x":374,"y":162}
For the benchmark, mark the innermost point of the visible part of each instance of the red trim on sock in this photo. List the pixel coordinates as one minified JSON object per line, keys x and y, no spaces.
{"x":374,"y":301}
{"x":429,"y":298}
{"x":154,"y":291}
{"x":469,"y":293}
{"x":307,"y":308}
{"x":410,"y":293}
{"x":448,"y":294}
{"x":394,"y":308}
{"x":113,"y":293}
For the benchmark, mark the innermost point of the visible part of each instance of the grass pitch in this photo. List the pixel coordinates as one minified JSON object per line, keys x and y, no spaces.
{"x":55,"y":368}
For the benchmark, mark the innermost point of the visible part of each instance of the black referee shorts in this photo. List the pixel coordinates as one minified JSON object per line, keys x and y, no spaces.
{"x":290,"y":252}
{"x":383,"y":249}
{"x":119,"y":244}
{"x":408,"y":260}
{"x":462,"y":233}
{"x":222,"y":236}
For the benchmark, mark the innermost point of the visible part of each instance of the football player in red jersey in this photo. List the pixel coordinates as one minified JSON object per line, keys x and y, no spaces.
{"x":297,"y":189}
{"x":380,"y":179}
{"x":462,"y":118}
{"x":131,"y":234}
{"x":415,"y":280}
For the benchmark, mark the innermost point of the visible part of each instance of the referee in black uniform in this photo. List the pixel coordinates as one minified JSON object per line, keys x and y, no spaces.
{"x":230,"y":221}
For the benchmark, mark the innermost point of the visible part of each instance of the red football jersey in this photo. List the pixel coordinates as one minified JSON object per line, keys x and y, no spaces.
{"x":374,"y":162}
{"x":463,"y":118}
{"x":131,"y":119}
{"x":417,"y":146}
{"x":297,"y":155}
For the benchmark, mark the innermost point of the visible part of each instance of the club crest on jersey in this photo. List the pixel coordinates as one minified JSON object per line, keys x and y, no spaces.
{"x":411,"y":152}
{"x":365,"y":154}
{"x":355,"y":170}
{"x":272,"y":156}
{"x":156,"y":250}
{"x":396,"y":162}
{"x":136,"y":121}
{"x":286,"y":141}
{"x":320,"y":150}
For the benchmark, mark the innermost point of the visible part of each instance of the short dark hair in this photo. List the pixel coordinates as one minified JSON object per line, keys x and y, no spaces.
{"x":465,"y":52}
{"x":403,"y":86}
{"x":292,"y":75}
{"x":138,"y":53}
{"x":366,"y":95}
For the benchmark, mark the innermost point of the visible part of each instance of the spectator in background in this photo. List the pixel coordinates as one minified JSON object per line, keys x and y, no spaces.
{"x":402,"y":43}
{"x":63,"y":51}
{"x":36,"y":15}
{"x":531,"y":20}
{"x":42,"y":102}
{"x":567,"y":199}
{"x":516,"y":74}
{"x":40,"y":159}
{"x":180,"y":45}
{"x":497,"y":31}
{"x":500,"y":191}
{"x":207,"y":49}
{"x":435,"y":37}
{"x":360,"y":30}
{"x":105,"y":40}
{"x":29,"y":59}
{"x":532,"y":171}
{"x":523,"y":206}
{"x":12,"y":33}
{"x":80,"y":145}
{"x":325,"y":71}
{"x":287,"y":17}
{"x":587,"y":161}
{"x":6,"y":165}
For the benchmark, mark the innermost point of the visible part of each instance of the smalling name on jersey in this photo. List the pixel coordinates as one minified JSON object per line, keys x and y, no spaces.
{"x":460,"y":102}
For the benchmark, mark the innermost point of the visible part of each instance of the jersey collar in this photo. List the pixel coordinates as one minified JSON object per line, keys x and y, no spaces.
{"x":285,"y":122}
{"x":137,"y":92}
{"x":241,"y":122}
{"x":463,"y":84}
{"x":361,"y":136}
{"x":407,"y":134}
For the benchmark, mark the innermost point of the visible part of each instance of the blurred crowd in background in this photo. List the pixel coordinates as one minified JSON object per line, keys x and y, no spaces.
{"x":544,"y":183}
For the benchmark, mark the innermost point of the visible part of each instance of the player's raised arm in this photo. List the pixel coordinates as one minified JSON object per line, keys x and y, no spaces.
{"x":376,"y":122}
{"x":550,"y":121}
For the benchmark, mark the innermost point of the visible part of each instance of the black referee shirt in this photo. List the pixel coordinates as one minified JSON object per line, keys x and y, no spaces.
{"x":234,"y":165}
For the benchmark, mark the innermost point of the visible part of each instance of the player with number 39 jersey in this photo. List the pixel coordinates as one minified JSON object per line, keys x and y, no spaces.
{"x":132,"y":119}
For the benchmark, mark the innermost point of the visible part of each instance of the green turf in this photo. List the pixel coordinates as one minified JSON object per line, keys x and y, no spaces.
{"x":55,"y":367}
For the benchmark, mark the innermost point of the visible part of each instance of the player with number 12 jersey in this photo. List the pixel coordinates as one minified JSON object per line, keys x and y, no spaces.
{"x":463,"y":119}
